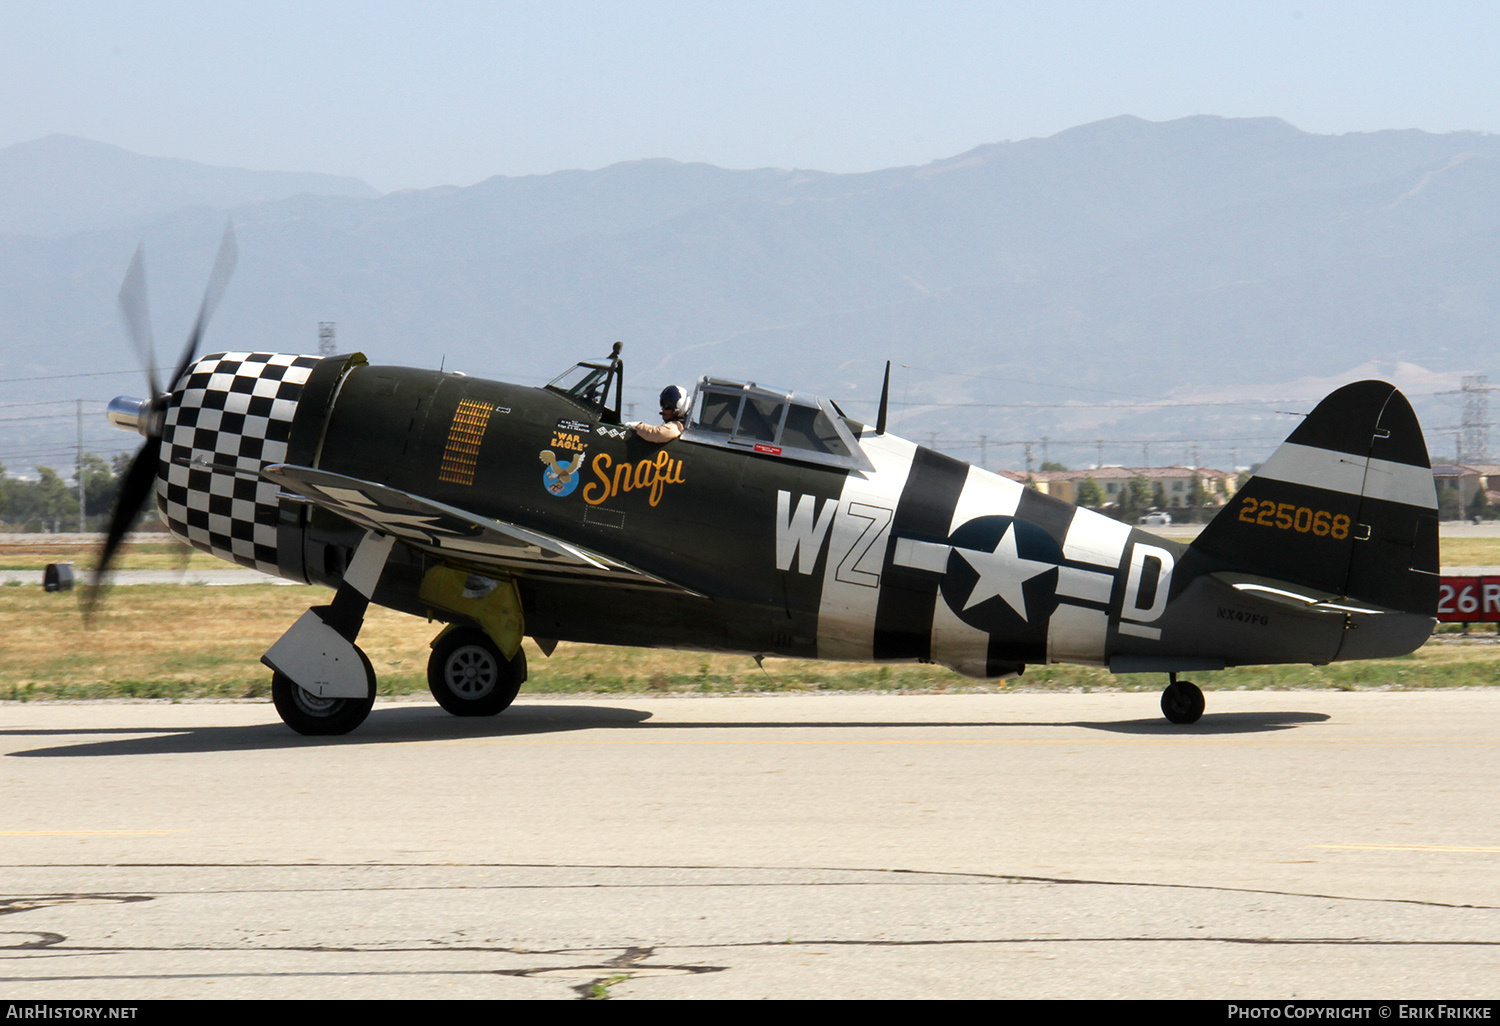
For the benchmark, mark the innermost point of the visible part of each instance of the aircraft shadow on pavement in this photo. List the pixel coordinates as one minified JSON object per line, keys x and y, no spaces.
{"x":391,"y":725}
{"x":403,"y":724}
{"x":1210,"y":724}
{"x":1214,"y":724}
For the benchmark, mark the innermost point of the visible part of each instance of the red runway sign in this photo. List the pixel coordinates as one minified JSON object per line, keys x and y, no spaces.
{"x":1469,"y":599}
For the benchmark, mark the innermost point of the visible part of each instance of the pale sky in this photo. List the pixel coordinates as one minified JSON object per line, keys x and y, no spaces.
{"x":406,"y":94}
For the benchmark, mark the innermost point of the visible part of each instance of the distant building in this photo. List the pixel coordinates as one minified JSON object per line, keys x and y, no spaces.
{"x":1459,"y":484}
{"x":1176,"y":483}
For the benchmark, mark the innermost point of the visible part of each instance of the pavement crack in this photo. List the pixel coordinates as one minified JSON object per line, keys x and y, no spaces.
{"x":31,"y":902}
{"x":937,"y":874}
{"x":630,"y":956}
{"x":40,"y":939}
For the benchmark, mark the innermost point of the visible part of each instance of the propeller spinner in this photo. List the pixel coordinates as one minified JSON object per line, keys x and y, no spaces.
{"x":146,"y":416}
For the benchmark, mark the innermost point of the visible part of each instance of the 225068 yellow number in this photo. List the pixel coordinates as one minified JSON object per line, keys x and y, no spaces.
{"x":1287,"y":516}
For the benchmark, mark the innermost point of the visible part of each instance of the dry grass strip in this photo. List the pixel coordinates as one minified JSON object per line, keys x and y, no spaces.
{"x":177,"y":642}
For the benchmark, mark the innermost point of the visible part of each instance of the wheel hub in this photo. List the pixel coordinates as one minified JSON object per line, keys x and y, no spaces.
{"x":472,"y":672}
{"x":314,"y":705}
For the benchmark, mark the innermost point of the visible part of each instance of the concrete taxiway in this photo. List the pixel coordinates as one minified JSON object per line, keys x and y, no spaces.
{"x":1309,"y":844}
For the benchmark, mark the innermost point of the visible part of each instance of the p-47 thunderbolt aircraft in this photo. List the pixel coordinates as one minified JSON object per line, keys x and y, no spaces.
{"x":775,"y":525}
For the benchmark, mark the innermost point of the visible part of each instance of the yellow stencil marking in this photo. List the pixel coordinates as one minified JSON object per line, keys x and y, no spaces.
{"x":461,"y":454}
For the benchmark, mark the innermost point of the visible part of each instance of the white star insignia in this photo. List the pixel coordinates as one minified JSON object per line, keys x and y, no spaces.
{"x":1002,"y":573}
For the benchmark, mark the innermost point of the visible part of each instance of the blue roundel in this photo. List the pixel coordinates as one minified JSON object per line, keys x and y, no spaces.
{"x":1002,"y":576}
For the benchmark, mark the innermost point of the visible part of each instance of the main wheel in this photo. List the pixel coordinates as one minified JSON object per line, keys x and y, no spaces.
{"x":1182,"y":702}
{"x":469,"y":676}
{"x":306,"y":713}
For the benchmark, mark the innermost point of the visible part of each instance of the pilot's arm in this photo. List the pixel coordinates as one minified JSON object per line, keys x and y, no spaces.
{"x":658,"y":433}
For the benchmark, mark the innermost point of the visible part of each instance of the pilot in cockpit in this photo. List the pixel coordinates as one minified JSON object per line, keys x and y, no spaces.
{"x":675,"y":403}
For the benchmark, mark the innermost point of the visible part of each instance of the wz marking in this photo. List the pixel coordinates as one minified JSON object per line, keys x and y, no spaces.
{"x":801,"y":530}
{"x":802,"y":533}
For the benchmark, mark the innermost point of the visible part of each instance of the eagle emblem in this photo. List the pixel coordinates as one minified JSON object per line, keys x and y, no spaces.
{"x":560,"y":478}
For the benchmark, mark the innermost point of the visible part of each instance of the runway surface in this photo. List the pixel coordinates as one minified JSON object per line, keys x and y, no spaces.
{"x":1309,"y":844}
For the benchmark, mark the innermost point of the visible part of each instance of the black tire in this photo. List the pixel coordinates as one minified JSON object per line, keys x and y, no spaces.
{"x":1182,"y":702}
{"x":469,"y":676}
{"x":320,"y":717}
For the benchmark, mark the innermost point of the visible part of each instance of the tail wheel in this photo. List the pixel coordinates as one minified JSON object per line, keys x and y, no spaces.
{"x":469,"y":676}
{"x":1182,"y":702}
{"x":306,"y":713}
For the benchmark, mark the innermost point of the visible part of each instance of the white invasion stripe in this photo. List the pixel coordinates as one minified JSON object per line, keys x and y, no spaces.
{"x":1084,"y":584}
{"x":1077,"y":635}
{"x":1096,"y":539}
{"x":348,"y":495}
{"x":369,"y":560}
{"x":846,"y":612}
{"x":921,"y":555}
{"x":955,"y":644}
{"x":985,"y":495}
{"x":1401,"y":482}
{"x":1353,"y":475}
{"x":1153,"y":633}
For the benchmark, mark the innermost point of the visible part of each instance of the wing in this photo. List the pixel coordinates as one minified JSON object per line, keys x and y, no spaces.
{"x":445,"y":530}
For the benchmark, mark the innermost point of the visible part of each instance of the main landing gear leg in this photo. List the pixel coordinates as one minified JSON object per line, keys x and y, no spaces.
{"x":321,"y":682}
{"x":1182,"y":702}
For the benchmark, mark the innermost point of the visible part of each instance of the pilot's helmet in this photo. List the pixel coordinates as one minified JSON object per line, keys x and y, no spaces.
{"x":676,"y":398}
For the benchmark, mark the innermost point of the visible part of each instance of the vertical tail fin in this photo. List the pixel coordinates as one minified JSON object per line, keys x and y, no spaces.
{"x":1347,"y":505}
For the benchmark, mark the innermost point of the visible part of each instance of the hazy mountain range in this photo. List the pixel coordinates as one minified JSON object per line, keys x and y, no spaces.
{"x":1232,"y":260}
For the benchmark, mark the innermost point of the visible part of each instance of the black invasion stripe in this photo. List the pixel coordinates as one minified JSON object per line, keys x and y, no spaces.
{"x":1050,"y":514}
{"x":908,"y":597}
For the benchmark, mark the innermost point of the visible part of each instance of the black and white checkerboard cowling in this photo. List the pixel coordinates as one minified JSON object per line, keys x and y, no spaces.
{"x":231,"y":410}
